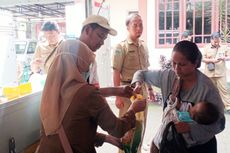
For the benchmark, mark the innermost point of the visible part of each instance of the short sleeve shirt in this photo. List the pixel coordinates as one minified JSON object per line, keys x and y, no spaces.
{"x":211,"y":52}
{"x":42,"y":51}
{"x":129,"y":57}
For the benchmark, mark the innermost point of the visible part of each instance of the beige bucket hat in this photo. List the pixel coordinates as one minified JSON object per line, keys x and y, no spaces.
{"x":103,"y":22}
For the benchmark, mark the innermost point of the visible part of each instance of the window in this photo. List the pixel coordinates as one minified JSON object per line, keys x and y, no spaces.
{"x":200,"y":16}
{"x":20,"y":47}
{"x":168,"y":22}
{"x":193,"y":16}
{"x":31,"y":47}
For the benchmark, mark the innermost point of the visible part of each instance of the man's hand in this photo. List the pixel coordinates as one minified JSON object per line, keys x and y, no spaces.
{"x":216,"y":60}
{"x":114,"y":141}
{"x":221,"y":59}
{"x":126,"y":91}
{"x":137,"y":88}
{"x":119,"y":103}
{"x":121,"y":91}
{"x":36,"y":65}
{"x":127,"y":138}
{"x":151,"y":95}
{"x":138,"y":105}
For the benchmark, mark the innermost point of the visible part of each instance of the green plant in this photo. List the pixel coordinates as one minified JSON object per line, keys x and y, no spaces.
{"x":224,"y":19}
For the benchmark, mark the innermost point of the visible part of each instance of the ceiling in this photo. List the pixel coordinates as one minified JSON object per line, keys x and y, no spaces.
{"x":39,"y":11}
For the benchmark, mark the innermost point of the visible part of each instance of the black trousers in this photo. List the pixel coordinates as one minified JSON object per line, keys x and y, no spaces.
{"x":209,"y":147}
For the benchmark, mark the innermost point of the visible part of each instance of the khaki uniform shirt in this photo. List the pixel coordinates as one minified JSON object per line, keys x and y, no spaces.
{"x":211,"y":52}
{"x":42,"y":51}
{"x":129,"y":57}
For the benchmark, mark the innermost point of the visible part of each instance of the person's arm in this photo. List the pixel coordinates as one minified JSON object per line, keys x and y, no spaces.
{"x":102,"y":138}
{"x":150,"y":77}
{"x":206,"y":59}
{"x":121,"y":91}
{"x":116,"y":82}
{"x":36,"y":61}
{"x":108,"y":121}
{"x":117,"y":64}
{"x":114,"y":141}
{"x":225,"y":55}
{"x":147,"y":55}
{"x":210,"y":60}
{"x":116,"y":78}
{"x":150,"y":92}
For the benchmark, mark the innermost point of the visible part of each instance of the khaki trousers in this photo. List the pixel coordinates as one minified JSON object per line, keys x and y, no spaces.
{"x":221,"y":84}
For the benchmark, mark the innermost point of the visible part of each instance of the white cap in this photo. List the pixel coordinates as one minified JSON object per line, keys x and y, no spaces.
{"x":101,"y":21}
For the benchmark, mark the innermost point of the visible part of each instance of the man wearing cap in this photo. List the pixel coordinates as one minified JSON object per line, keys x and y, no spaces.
{"x":95,"y":30}
{"x":186,"y":36}
{"x":69,"y":102}
{"x":129,"y":56}
{"x":44,"y":52}
{"x":218,"y":53}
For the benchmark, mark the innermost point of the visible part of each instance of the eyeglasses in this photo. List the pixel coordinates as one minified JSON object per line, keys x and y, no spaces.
{"x":101,"y":33}
{"x":101,"y":36}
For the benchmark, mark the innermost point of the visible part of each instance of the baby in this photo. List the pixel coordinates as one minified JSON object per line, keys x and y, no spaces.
{"x":202,"y":113}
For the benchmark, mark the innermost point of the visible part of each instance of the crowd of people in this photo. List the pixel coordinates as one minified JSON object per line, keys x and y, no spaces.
{"x":72,"y":107}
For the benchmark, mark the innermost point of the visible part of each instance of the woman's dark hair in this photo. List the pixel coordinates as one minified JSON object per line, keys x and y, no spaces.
{"x":190,"y":51}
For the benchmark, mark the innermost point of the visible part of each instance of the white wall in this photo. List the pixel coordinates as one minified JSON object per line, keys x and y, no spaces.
{"x":154,"y":53}
{"x":118,"y":12}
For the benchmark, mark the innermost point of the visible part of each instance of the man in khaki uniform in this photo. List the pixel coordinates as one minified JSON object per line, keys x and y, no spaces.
{"x":129,"y":56}
{"x":218,"y":53}
{"x":44,"y":55}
